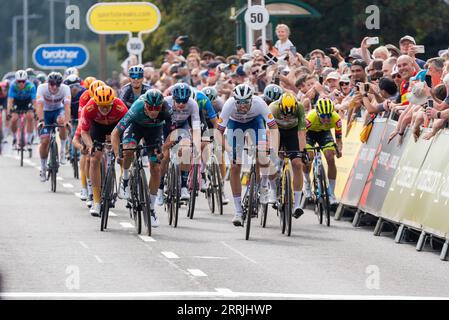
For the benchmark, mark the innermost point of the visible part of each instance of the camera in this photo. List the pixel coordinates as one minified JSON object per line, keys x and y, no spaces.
{"x":329,"y":51}
{"x":184,"y":38}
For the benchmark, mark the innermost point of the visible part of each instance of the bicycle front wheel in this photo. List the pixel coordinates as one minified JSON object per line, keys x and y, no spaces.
{"x":108,"y":190}
{"x":218,"y":187}
{"x":135,"y":204}
{"x":288,"y":204}
{"x":252,"y":205}
{"x":176,"y":194}
{"x":325,"y":197}
{"x":53,"y":164}
{"x":145,"y":201}
{"x":193,"y":190}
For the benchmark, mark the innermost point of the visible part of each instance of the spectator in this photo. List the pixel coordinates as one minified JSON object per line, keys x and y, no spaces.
{"x":435,"y":67}
{"x":193,"y":61}
{"x":387,"y":66}
{"x":393,"y":50}
{"x":284,"y":44}
{"x":195,"y":50}
{"x":407,"y":46}
{"x":358,"y":71}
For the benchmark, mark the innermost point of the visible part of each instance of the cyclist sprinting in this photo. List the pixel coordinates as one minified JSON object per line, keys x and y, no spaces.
{"x":99,"y":118}
{"x":144,"y":120}
{"x":53,"y":107}
{"x":320,"y":121}
{"x":21,"y":97}
{"x":184,"y":128}
{"x":240,"y":115}
{"x":290,"y":118}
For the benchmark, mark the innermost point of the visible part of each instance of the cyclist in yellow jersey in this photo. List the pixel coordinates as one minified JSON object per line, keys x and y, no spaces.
{"x":319,"y":123}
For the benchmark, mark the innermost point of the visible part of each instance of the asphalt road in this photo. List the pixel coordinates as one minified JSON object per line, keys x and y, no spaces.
{"x":50,"y":247}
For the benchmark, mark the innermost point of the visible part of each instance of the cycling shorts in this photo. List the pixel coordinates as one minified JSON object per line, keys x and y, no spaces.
{"x":324,"y":139}
{"x":51,"y":118}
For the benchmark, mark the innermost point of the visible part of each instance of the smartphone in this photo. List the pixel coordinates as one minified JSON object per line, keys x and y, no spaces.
{"x":430,"y":103}
{"x":293,"y":49}
{"x":366,"y":87}
{"x":372,"y":40}
{"x":420,"y":49}
{"x":318,"y":63}
{"x":329,"y":51}
{"x":184,"y":38}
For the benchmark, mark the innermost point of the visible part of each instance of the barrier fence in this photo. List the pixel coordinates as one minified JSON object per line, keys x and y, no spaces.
{"x":406,"y":184}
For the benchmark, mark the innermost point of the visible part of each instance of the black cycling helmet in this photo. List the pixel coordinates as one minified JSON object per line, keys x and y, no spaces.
{"x":154,"y":97}
{"x":55,"y":78}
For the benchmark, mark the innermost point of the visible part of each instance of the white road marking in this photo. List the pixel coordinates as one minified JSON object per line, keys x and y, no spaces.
{"x":84,"y":245}
{"x":68,"y":185}
{"x":112,"y":214}
{"x":226,"y":292}
{"x":238,"y":252}
{"x":170,"y":255}
{"x":211,"y":258}
{"x":147,"y":239}
{"x":126,"y":225}
{"x":59,"y":179}
{"x":77,"y":194}
{"x":98,"y":259}
{"x":143,"y":295}
{"x":197,"y":272}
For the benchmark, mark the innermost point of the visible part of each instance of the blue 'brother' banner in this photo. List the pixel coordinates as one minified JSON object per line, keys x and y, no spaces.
{"x":60,"y":56}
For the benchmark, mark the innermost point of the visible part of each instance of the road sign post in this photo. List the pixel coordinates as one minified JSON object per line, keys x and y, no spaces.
{"x":256,"y":18}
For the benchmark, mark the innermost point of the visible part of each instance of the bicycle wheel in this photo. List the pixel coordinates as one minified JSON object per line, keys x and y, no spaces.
{"x":144,"y":196}
{"x":22,"y":141}
{"x":135,"y":204}
{"x":325,"y":196}
{"x":288,"y":203}
{"x":108,"y":190}
{"x":169,"y":202}
{"x":75,"y":164}
{"x":177,"y":194}
{"x":54,"y":164}
{"x":252,"y":205}
{"x":210,"y":193}
{"x":317,"y":196}
{"x":263,"y":216}
{"x":218,"y":187}
{"x":193,"y":190}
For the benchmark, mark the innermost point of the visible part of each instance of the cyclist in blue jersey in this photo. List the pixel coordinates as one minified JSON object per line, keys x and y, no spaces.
{"x":22,"y":97}
{"x":145,"y":120}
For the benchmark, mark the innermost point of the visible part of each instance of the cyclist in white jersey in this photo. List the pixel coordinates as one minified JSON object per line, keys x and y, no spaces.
{"x":53,"y":107}
{"x":245,"y":113}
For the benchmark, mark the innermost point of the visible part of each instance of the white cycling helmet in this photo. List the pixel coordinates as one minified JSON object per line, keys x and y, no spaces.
{"x":243,"y":92}
{"x":21,"y":75}
{"x":211,"y":93}
{"x":71,"y":71}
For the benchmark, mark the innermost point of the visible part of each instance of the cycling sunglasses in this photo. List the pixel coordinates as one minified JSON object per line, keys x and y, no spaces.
{"x":153,"y":108}
{"x":325,"y":116}
{"x":54,"y":84}
{"x":243,"y":102}
{"x":21,"y":81}
{"x":181,"y":101}
{"x":136,"y":76}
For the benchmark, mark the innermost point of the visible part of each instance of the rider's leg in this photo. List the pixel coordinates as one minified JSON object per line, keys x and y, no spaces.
{"x":297,"y":181}
{"x":29,"y":126}
{"x":62,"y":136}
{"x":13,"y":125}
{"x":95,"y":175}
{"x":332,"y":169}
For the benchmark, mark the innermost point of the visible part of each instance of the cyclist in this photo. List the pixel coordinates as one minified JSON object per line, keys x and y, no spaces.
{"x":132,"y":91}
{"x":71,"y":71}
{"x":144,"y":120}
{"x":217,"y":102}
{"x":3,"y":104}
{"x":272,"y":93}
{"x":319,"y":122}
{"x":180,"y":130}
{"x":290,"y":118}
{"x":99,"y":117}
{"x":53,"y":106}
{"x":240,"y":115}
{"x":88,"y":81}
{"x":86,"y":189}
{"x":76,"y":90}
{"x":42,"y":77}
{"x":21,"y":97}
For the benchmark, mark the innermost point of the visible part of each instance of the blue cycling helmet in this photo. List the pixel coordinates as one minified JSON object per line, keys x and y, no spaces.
{"x":181,"y":93}
{"x":136,"y":72}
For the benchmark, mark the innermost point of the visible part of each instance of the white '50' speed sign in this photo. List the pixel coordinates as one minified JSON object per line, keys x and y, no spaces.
{"x":257,"y":17}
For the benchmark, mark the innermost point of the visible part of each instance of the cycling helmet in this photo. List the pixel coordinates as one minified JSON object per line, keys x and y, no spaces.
{"x":136,"y":72}
{"x":70,"y":71}
{"x":104,"y":96}
{"x":88,"y":81}
{"x":21,"y":75}
{"x":55,"y":77}
{"x":94,"y":86}
{"x":273,"y":92}
{"x":72,"y":80}
{"x":181,"y":93}
{"x":325,"y":107}
{"x":242,"y":92}
{"x":153,"y":97}
{"x":42,"y":77}
{"x":288,"y":103}
{"x":30,"y":72}
{"x":211,"y":93}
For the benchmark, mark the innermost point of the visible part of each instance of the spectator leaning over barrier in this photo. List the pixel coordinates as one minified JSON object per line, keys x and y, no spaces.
{"x":435,"y":67}
{"x":386,"y":90}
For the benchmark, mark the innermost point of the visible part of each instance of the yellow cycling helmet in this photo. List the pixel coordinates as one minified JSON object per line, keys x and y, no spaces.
{"x":288,"y":104}
{"x":94,"y":86}
{"x":88,"y":81}
{"x":104,"y":96}
{"x":325,"y":106}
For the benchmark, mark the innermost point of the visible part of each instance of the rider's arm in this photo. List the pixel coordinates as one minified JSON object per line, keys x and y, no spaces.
{"x":67,"y":103}
{"x":40,"y":103}
{"x":86,"y":122}
{"x":302,"y":128}
{"x":10,"y":104}
{"x":116,"y":140}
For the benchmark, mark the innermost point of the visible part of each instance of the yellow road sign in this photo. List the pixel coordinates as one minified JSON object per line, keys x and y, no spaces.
{"x":123,"y":17}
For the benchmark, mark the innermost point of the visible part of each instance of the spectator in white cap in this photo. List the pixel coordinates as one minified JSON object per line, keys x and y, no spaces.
{"x":332,"y":81}
{"x":407,"y":45}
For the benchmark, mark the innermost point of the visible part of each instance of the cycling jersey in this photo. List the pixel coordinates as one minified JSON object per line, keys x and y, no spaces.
{"x":28,"y":93}
{"x":314,"y":124}
{"x":258,"y":108}
{"x":290,"y":121}
{"x":91,"y":114}
{"x":52,"y":101}
{"x":127,"y":94}
{"x":137,"y":115}
{"x":84,"y":99}
{"x":179,"y":118}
